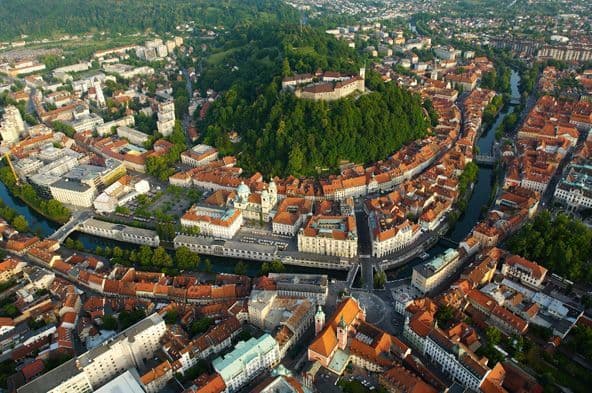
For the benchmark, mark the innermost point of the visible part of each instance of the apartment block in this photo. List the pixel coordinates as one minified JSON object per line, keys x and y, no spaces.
{"x":166,"y":118}
{"x":428,"y":276}
{"x":12,"y":125}
{"x":93,"y":369}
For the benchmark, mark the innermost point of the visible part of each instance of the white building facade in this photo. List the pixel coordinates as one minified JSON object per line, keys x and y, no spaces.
{"x":246,"y":361}
{"x":12,"y":125}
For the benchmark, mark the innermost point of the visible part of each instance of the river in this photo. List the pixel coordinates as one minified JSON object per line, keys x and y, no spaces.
{"x":481,"y":192}
{"x":44,"y":227}
{"x":479,"y":199}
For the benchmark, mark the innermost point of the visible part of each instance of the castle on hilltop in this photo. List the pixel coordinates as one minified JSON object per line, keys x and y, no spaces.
{"x":325,"y":86}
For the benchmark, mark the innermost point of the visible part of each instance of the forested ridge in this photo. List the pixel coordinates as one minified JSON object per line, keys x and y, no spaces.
{"x":51,"y":17}
{"x":284,"y":135}
{"x":262,"y":41}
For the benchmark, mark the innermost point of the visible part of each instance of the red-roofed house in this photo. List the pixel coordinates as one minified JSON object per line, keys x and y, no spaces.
{"x":528,"y":272}
{"x":33,"y":369}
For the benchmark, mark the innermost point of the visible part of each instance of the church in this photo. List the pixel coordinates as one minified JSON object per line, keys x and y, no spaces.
{"x":256,"y":206}
{"x":347,"y":337}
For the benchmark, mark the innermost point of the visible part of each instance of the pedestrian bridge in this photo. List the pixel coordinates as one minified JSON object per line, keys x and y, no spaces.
{"x":351,"y":274}
{"x":485,"y":159}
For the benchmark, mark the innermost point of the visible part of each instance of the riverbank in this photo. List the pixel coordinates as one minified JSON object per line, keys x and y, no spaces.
{"x":27,"y":194}
{"x":44,"y":227}
{"x":480,"y":196}
{"x":38,"y":223}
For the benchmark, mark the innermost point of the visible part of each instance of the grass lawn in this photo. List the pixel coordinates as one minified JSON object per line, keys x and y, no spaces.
{"x":357,"y":387}
{"x":352,"y":387}
{"x":217,"y":58}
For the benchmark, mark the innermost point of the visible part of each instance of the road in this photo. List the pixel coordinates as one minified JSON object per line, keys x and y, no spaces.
{"x":78,"y":217}
{"x":367,"y":272}
{"x":186,"y":118}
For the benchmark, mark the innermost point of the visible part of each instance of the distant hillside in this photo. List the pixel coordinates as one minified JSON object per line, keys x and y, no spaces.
{"x":51,"y":17}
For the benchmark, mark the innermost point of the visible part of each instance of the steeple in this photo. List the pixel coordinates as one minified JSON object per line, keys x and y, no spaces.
{"x":342,"y":334}
{"x":319,"y":320}
{"x":342,"y":323}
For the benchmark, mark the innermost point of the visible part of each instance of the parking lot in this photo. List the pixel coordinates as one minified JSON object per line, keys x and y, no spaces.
{"x":171,"y":201}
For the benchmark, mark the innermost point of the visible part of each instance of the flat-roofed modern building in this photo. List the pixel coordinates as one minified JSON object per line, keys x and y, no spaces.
{"x":95,"y":368}
{"x":128,"y":382}
{"x":121,"y":232}
{"x":166,"y":118}
{"x":429,"y":275}
{"x":134,"y":136}
{"x":73,"y":193}
{"x":11,"y":125}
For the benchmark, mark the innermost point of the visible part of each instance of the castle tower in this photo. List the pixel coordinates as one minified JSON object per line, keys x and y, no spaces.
{"x":319,"y":320}
{"x":342,"y":334}
{"x":362,"y":83}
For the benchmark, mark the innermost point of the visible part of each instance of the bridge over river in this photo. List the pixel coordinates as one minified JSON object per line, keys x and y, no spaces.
{"x":485,"y":159}
{"x":77,"y":219}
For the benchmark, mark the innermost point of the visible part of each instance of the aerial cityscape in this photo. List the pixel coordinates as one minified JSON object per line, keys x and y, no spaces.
{"x":295,"y":196}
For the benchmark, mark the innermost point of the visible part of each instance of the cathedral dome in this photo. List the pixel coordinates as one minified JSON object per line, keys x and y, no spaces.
{"x":243,"y":189}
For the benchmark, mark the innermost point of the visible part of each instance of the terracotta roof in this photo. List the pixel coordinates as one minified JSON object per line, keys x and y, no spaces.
{"x":518,"y":381}
{"x":69,"y":317}
{"x":8,"y":264}
{"x":156,"y":373}
{"x":405,"y":381}
{"x":33,"y":369}
{"x":537,"y":270}
{"x":147,"y":287}
{"x":197,"y":291}
{"x":475,"y":296}
{"x":324,"y":344}
{"x":349,"y":309}
{"x":61,"y":266}
{"x":111,"y":286}
{"x":209,"y":384}
{"x":5,"y":321}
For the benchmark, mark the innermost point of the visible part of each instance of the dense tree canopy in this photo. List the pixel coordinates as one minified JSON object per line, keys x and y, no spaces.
{"x":282,"y":134}
{"x":128,"y":318}
{"x":52,"y":17}
{"x":562,"y":245}
{"x":581,"y":341}
{"x":50,"y":208}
